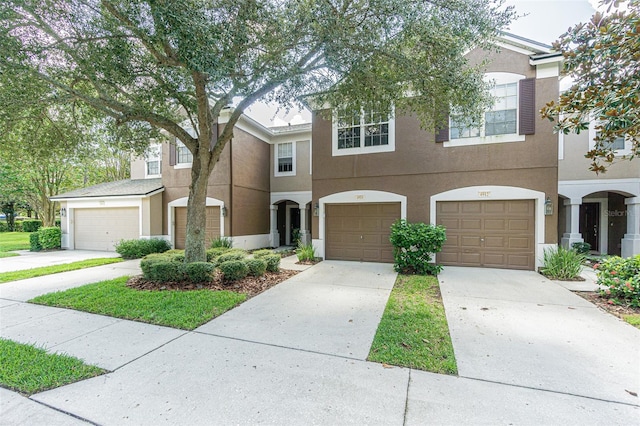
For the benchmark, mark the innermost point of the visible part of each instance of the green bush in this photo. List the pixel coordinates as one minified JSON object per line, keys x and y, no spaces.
{"x":135,"y":249}
{"x":415,"y":245}
{"x":306,"y":252}
{"x":49,"y":237}
{"x":621,"y":277}
{"x":31,"y":225}
{"x":222,"y":242}
{"x":582,"y":248}
{"x":214,"y":253}
{"x":34,"y":242}
{"x":233,"y":270}
{"x":258,"y":254}
{"x":273,"y":262}
{"x":562,"y":264}
{"x":166,"y":271}
{"x":198,"y":272}
{"x":234,"y":254}
{"x":4,"y":227}
{"x":175,"y":255}
{"x":257,"y":267}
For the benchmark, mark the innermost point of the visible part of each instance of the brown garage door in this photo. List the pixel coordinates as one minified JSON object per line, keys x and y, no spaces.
{"x":493,"y":234}
{"x":360,"y":231}
{"x":101,"y":229}
{"x":212,"y":230}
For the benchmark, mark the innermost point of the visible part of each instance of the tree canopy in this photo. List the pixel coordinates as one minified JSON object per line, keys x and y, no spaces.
{"x":603,"y":58}
{"x":167,"y":63}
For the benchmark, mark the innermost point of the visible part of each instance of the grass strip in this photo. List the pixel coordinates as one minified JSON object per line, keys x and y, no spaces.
{"x":7,"y":254}
{"x":27,"y":369}
{"x":180,"y":309}
{"x":56,"y":269}
{"x":633,"y":319}
{"x":413,"y":331}
{"x":10,"y":241}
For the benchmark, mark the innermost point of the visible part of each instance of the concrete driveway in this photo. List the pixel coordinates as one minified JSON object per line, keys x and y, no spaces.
{"x":29,"y":260}
{"x":518,"y":328}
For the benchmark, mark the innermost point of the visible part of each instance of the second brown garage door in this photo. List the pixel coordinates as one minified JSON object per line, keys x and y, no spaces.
{"x":360,"y":231}
{"x":212,"y":230}
{"x":493,"y":234}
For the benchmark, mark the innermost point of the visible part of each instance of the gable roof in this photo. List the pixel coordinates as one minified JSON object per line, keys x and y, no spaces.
{"x":120,"y":188}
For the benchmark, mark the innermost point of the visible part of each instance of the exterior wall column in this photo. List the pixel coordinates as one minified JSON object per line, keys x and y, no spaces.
{"x":305,"y":235}
{"x":573,"y":223}
{"x":274,"y":235}
{"x":631,"y":240}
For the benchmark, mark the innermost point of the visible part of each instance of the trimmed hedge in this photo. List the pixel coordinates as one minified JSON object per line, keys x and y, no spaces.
{"x":259,"y":254}
{"x":233,"y":254}
{"x":273,"y":262}
{"x":198,"y":272}
{"x":50,"y":237}
{"x":234,"y":270}
{"x":31,"y":225}
{"x":257,"y":267}
{"x":214,"y":253}
{"x":135,"y":249}
{"x":34,"y":242}
{"x":415,"y":246}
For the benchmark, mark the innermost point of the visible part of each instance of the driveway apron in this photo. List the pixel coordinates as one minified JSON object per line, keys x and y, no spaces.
{"x":518,"y":328}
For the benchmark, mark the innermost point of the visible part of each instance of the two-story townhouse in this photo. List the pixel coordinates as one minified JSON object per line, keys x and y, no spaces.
{"x":602,"y":210}
{"x":258,"y":195}
{"x":492,"y":186}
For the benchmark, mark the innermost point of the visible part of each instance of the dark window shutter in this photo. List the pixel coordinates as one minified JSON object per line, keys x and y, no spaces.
{"x":214,"y":137}
{"x":442,"y":135}
{"x":527,"y":106}
{"x":172,"y":154}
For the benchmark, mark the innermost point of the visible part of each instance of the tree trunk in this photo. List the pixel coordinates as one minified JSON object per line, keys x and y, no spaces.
{"x":195,"y":245}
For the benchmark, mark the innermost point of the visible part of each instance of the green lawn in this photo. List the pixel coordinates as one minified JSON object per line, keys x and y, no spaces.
{"x":10,"y":241}
{"x":27,"y":369}
{"x":413,"y":331}
{"x":180,"y":309}
{"x":7,"y":254}
{"x":633,"y":319}
{"x":55,"y":269}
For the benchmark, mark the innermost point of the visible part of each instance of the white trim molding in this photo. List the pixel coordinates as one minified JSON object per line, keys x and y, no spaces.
{"x":300,"y":197}
{"x":489,"y":193}
{"x":354,"y":197}
{"x":582,"y":188}
{"x":182,"y":202}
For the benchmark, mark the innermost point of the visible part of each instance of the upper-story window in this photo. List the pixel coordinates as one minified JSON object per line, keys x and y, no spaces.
{"x":183,"y":155}
{"x":510,"y":118}
{"x":363,"y":133}
{"x":285,"y":155}
{"x":153,"y":161}
{"x":620,"y":145}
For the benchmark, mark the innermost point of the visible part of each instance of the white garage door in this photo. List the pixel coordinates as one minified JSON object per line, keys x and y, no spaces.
{"x":101,"y":229}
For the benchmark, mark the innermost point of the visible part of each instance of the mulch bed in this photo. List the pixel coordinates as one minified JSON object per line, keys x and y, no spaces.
{"x":603,"y":303}
{"x":250,"y":286}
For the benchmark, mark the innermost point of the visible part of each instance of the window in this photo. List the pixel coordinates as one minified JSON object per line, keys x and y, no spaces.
{"x":285,"y":154}
{"x":617,"y":144}
{"x":183,"y":155}
{"x":620,"y":145}
{"x":153,"y":163}
{"x":366,"y":132}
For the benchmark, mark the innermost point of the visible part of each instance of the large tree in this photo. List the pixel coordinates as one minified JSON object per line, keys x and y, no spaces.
{"x":602,"y":57}
{"x":167,"y":63}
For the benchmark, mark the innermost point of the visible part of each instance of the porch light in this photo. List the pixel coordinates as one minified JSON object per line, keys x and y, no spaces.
{"x":548,"y":207}
{"x":316,"y":209}
{"x":224,"y":212}
{"x":63,"y":212}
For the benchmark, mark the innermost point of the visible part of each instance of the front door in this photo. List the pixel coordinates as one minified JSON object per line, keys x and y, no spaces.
{"x":590,"y":224}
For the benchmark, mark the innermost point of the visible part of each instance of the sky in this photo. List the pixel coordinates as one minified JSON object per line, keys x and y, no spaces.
{"x":540,"y":20}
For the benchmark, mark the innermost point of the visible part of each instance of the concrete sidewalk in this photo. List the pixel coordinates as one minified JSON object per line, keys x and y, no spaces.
{"x":29,"y":259}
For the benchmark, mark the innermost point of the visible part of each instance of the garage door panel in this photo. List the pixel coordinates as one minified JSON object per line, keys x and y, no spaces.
{"x":101,"y":229}
{"x":212,"y":225}
{"x":488,"y":233}
{"x":360,"y":231}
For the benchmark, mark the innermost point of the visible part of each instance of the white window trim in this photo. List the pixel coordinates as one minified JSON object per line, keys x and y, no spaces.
{"x":628,"y":143}
{"x":158,"y":158}
{"x":390,"y":147}
{"x":497,"y":78}
{"x":180,"y":165}
{"x":276,"y":173}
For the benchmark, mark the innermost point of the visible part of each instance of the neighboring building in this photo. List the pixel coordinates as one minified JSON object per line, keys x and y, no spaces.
{"x":498,"y":187}
{"x":487,"y":185}
{"x":602,"y":210}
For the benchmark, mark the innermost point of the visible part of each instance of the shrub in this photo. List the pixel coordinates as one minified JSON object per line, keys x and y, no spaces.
{"x":273,"y":262}
{"x":198,"y":272}
{"x":214,"y":253}
{"x":621,"y":277}
{"x":17,"y":226}
{"x":34,"y":242}
{"x":234,"y":254}
{"x":259,"y":254}
{"x":414,"y":247}
{"x":166,"y":270}
{"x":222,"y":242}
{"x":582,"y":248}
{"x":4,"y":227}
{"x":31,"y":225}
{"x":175,"y":255}
{"x":562,"y":264}
{"x":135,"y":249}
{"x":49,"y":237}
{"x":306,"y":252}
{"x":233,"y":270}
{"x":257,"y":267}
